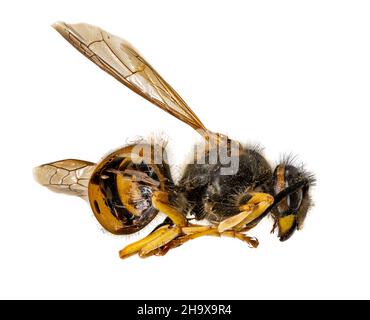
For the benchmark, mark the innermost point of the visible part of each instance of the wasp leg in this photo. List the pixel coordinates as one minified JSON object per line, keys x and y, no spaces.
{"x":161,"y":251}
{"x":253,"y":209}
{"x":194,"y":232}
{"x":161,"y":236}
{"x":262,"y":202}
{"x":165,"y":238}
{"x":151,"y":242}
{"x":135,"y":247}
{"x":157,"y":239}
{"x":160,"y":241}
{"x":237,"y":219}
{"x":160,"y":202}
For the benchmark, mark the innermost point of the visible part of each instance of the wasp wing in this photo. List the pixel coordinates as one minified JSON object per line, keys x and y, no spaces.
{"x":122,"y":61}
{"x":69,"y":176}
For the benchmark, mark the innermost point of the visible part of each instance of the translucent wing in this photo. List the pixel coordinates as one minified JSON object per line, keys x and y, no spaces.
{"x":66,"y":176}
{"x":117,"y":57}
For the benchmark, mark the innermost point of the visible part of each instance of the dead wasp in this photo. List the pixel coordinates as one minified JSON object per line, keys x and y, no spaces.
{"x":127,"y":189}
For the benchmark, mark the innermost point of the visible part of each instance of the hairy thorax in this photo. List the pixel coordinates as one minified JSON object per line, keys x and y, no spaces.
{"x":205,"y":192}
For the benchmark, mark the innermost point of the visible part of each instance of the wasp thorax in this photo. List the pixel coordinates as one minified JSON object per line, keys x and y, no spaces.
{"x":121,"y":188}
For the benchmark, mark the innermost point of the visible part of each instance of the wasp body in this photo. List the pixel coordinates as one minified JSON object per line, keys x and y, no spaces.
{"x":128,"y":188}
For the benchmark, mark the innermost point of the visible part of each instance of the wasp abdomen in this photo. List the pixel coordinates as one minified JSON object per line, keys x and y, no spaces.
{"x":121,"y":188}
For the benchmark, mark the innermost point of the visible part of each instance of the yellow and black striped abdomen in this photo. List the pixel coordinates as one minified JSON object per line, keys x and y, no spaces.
{"x":122,"y":185}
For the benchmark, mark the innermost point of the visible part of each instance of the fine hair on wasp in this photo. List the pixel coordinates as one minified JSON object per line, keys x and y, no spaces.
{"x":215,"y":149}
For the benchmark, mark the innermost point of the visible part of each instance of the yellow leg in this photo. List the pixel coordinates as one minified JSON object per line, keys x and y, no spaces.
{"x":213,"y":231}
{"x":160,"y":202}
{"x":168,"y":237}
{"x":249,"y":212}
{"x":193,"y":232}
{"x":151,"y":242}
{"x":133,"y":248}
{"x":237,"y":219}
{"x":163,"y":235}
{"x":261,"y":201}
{"x":160,"y":241}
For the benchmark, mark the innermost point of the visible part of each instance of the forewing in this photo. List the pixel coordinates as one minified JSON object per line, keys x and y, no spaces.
{"x":117,"y":57}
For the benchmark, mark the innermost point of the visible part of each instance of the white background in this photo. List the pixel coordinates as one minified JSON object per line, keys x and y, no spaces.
{"x":291,"y":75}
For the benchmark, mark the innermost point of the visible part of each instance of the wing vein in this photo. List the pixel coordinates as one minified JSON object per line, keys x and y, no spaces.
{"x":119,"y":59}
